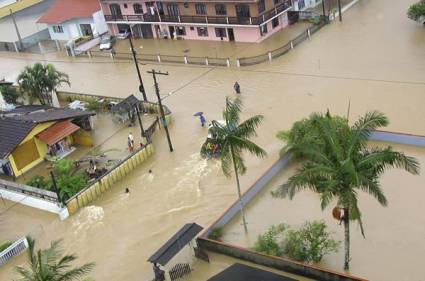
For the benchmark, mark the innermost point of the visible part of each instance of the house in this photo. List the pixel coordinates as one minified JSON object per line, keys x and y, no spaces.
{"x":31,"y":134}
{"x":26,"y":32}
{"x":70,"y":19}
{"x":233,"y":20}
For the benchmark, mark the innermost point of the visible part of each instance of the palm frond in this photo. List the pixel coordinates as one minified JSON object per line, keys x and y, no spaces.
{"x":247,"y":128}
{"x":232,"y":111}
{"x":245,"y":144}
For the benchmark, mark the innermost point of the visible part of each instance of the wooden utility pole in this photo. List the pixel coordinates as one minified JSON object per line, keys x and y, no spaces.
{"x":133,"y":52}
{"x":161,"y":109}
{"x":323,"y":7}
{"x":339,"y":10}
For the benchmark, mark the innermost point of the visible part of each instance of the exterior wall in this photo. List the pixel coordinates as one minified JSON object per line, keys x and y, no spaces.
{"x":283,"y":22}
{"x":244,"y":34}
{"x":71,"y":29}
{"x":41,"y":147}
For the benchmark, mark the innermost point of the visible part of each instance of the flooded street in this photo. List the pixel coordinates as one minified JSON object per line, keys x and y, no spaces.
{"x":375,"y":58}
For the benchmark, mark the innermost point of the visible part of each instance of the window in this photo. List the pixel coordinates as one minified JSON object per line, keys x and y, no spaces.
{"x":220,"y":10}
{"x":138,"y":9}
{"x":200,"y":9}
{"x":173,"y":9}
{"x":192,"y":28}
{"x":220,"y":32}
{"x":57,"y":29}
{"x":181,"y":30}
{"x":202,"y":31}
{"x":275,"y":22}
{"x":125,"y":6}
{"x":276,"y":2}
{"x":261,"y":6}
{"x":186,"y":5}
{"x":242,"y":11}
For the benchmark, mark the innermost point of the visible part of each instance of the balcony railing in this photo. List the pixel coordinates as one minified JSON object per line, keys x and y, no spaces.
{"x":286,"y":4}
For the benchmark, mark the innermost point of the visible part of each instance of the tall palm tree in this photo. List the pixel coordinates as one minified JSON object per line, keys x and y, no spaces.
{"x":48,"y":265}
{"x":232,"y":137}
{"x":39,"y":81}
{"x":338,"y":164}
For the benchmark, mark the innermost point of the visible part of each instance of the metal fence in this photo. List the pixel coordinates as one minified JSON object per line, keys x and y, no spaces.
{"x":29,"y":190}
{"x":253,"y":60}
{"x":15,"y":249}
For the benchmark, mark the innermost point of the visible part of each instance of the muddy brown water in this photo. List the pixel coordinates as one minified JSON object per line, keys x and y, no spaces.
{"x":375,"y":58}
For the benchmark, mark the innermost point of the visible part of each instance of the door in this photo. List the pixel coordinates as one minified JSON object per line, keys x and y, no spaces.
{"x":146,"y":31}
{"x":171,"y":28}
{"x":231,"y":34}
{"x":115,"y":11}
{"x":173,"y":10}
{"x":242,"y":13}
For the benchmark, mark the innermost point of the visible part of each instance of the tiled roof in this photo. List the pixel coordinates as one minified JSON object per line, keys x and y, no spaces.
{"x":64,"y":10}
{"x":57,"y":132}
{"x":53,"y":114}
{"x":12,"y":132}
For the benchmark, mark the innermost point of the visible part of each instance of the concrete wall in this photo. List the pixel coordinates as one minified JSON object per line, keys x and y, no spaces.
{"x":71,"y":29}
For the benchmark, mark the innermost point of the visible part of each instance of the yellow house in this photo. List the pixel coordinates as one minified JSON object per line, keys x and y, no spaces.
{"x":27,"y":140}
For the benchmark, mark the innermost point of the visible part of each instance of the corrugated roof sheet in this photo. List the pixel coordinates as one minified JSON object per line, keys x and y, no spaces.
{"x":175,"y":243}
{"x":242,"y":272}
{"x":54,"y":114}
{"x":64,"y":10}
{"x":127,"y":104}
{"x":57,"y":132}
{"x":12,"y":132}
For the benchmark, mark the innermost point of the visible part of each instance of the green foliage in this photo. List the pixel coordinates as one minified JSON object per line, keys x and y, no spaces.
{"x":338,"y":164}
{"x":40,"y":182}
{"x":51,"y":265}
{"x":416,"y":10}
{"x":5,"y":245}
{"x":9,"y":93}
{"x":268,"y":243}
{"x":38,"y":82}
{"x":94,"y":105}
{"x":309,"y":243}
{"x":69,"y":181}
{"x":216,"y":234}
{"x":315,"y":20}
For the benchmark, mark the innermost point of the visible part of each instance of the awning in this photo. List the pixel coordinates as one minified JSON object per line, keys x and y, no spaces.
{"x":175,"y":244}
{"x":241,"y":272}
{"x":57,"y":132}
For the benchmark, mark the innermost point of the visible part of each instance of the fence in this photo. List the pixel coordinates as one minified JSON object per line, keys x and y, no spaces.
{"x":29,"y":190}
{"x":13,"y":250}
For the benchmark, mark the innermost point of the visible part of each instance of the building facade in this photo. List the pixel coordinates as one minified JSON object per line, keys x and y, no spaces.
{"x":235,"y":20}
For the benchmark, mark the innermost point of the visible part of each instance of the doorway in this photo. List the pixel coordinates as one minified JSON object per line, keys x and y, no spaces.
{"x":146,"y":30}
{"x":172,"y":30}
{"x":231,"y":34}
{"x":115,"y":11}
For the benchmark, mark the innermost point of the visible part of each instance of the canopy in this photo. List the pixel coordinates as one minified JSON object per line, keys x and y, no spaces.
{"x":57,"y":132}
{"x":175,"y":244}
{"x":127,"y":104}
{"x":241,"y":272}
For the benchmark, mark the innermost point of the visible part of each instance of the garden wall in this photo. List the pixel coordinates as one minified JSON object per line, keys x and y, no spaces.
{"x":90,"y":193}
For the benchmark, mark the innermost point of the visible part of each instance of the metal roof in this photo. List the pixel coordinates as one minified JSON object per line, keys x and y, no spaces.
{"x":53,"y":114}
{"x":175,"y":243}
{"x":242,"y":272}
{"x":127,"y":104}
{"x":12,"y":132}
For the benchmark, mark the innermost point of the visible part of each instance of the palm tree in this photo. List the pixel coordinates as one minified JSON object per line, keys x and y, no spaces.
{"x":232,"y":137}
{"x":48,"y":265}
{"x":39,"y":81}
{"x":338,"y":164}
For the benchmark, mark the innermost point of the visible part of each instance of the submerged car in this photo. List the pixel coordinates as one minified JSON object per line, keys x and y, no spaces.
{"x":106,"y":42}
{"x":123,"y":35}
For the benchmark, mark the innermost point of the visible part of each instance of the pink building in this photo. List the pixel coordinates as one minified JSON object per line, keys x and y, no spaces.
{"x":232,"y":20}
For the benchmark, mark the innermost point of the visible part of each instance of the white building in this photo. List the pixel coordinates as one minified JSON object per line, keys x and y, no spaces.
{"x":70,"y":19}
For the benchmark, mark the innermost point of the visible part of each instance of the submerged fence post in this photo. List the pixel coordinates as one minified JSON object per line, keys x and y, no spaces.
{"x":228,"y":62}
{"x":308,"y":33}
{"x":40,"y":47}
{"x":159,"y":58}
{"x":292,"y":45}
{"x":58,"y":46}
{"x":238,"y":63}
{"x":89,"y":54}
{"x":185,"y":59}
{"x":270,"y":56}
{"x":206,"y":61}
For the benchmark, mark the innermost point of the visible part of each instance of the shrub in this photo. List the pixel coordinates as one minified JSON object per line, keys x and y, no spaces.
{"x":68,"y":181}
{"x":309,"y":243}
{"x":94,"y":105}
{"x":39,"y":182}
{"x":216,"y":234}
{"x":416,"y":10}
{"x":9,"y":93}
{"x":268,"y":243}
{"x":5,"y":245}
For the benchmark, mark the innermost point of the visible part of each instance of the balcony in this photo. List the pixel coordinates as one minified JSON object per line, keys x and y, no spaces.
{"x":286,"y":4}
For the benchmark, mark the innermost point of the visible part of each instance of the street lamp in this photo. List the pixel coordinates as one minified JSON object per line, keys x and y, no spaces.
{"x":133,"y":52}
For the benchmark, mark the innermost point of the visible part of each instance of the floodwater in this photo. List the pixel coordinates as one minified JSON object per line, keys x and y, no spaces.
{"x":375,"y":59}
{"x":394,"y":234}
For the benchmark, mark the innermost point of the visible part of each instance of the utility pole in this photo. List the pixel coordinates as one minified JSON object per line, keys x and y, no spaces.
{"x":339,"y":10}
{"x":161,"y":109}
{"x":323,"y":7}
{"x":142,"y":131}
{"x":55,"y":187}
{"x":133,"y":52}
{"x":16,"y":29}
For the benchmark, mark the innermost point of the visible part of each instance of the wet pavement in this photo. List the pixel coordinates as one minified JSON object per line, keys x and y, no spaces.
{"x":374,"y":59}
